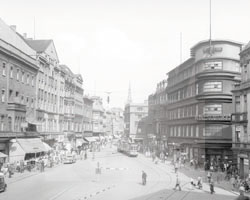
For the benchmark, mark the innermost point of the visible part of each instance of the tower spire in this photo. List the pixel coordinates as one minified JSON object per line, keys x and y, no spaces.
{"x":129,"y":94}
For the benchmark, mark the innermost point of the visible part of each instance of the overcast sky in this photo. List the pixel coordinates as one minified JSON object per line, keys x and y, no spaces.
{"x":112,"y":42}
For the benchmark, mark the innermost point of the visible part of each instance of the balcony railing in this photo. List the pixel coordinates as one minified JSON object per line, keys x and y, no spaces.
{"x":243,"y":85}
{"x":206,"y":117}
{"x":239,"y":117}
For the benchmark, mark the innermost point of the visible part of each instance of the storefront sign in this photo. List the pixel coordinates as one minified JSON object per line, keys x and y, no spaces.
{"x":246,"y":162}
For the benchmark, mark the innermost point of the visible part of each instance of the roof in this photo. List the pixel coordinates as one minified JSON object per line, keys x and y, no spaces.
{"x":11,"y":37}
{"x":216,"y":41}
{"x":39,"y":45}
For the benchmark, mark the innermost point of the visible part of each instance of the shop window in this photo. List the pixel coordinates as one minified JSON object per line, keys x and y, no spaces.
{"x":215,"y":86}
{"x":212,"y":109}
{"x":213,"y":65}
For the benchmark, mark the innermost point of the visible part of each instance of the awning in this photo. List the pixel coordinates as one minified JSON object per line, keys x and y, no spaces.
{"x":2,"y":155}
{"x":47,"y":147}
{"x":32,"y":145}
{"x":90,"y":139}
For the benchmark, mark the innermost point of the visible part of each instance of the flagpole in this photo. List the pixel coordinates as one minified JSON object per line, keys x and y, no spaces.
{"x":210,"y":26}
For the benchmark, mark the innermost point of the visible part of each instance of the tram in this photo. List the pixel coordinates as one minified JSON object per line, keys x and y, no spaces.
{"x":128,"y":148}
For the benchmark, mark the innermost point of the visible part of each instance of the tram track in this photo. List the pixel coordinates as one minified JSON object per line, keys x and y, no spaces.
{"x":160,"y":175}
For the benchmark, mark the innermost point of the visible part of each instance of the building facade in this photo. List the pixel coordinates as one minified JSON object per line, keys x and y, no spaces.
{"x":49,"y":91}
{"x":133,"y":113}
{"x":73,"y":105}
{"x":18,"y":72}
{"x":155,"y":125}
{"x":98,"y":116}
{"x":200,"y":102}
{"x":241,"y":129}
{"x":87,"y":116}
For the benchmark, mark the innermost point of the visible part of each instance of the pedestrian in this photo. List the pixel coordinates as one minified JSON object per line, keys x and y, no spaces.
{"x":199,"y":183}
{"x":175,"y":167}
{"x":209,"y":176}
{"x":144,"y":178}
{"x":232,"y":181}
{"x":212,"y":186}
{"x":178,"y":183}
{"x":192,"y":184}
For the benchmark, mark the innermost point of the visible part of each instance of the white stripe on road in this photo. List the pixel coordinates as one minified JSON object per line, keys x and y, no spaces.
{"x":95,"y":193}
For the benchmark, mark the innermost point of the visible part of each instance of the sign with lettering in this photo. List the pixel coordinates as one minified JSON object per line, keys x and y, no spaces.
{"x":212,"y":50}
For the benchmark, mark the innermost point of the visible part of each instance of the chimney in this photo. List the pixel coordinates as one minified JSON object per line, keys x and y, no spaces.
{"x":25,"y":35}
{"x":13,"y":27}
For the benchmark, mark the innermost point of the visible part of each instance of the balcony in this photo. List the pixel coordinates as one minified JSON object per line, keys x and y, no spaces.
{"x":239,"y":117}
{"x":239,"y":145}
{"x":14,"y":106}
{"x":213,"y":117}
{"x":242,"y":86}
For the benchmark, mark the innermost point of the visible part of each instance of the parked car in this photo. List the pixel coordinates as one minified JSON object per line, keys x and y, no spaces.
{"x":3,"y":184}
{"x":69,"y":159}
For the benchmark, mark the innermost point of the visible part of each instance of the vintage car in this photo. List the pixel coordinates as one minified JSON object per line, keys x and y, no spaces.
{"x":69,"y":159}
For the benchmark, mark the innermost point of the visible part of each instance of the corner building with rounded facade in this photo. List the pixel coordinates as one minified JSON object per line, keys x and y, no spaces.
{"x":200,"y":102}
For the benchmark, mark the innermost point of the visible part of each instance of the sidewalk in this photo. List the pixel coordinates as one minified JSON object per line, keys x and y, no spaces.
{"x":17,"y":176}
{"x":195,"y":173}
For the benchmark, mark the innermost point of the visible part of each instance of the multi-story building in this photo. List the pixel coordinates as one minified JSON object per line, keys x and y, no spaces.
{"x":98,"y":116}
{"x":87,"y":116}
{"x":73,"y":104}
{"x":18,"y":72}
{"x":241,"y":128}
{"x":49,"y":91}
{"x":133,"y":113}
{"x":155,"y":125}
{"x":200,"y":101}
{"x":117,"y":121}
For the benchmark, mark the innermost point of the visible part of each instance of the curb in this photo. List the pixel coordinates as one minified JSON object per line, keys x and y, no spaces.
{"x":26,"y":176}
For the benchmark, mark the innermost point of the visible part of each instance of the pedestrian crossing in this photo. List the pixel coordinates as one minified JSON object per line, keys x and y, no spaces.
{"x":116,"y":168}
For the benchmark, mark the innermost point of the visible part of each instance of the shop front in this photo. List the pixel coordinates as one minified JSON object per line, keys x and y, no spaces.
{"x":25,"y":149}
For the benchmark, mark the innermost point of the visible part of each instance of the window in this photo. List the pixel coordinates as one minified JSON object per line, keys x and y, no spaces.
{"x":17,"y":74}
{"x":245,"y":103}
{"x":139,"y":109}
{"x":213,"y":65}
{"x":28,"y":79}
{"x":3,"y":96}
{"x":4,"y":69}
{"x":32,"y":80}
{"x":212,"y":87}
{"x":11,"y":72}
{"x":237,"y":134}
{"x":212,"y":130}
{"x":212,"y":109}
{"x":191,"y":131}
{"x":32,"y":103}
{"x":10,"y":94}
{"x":23,"y":77}
{"x":237,"y":103}
{"x":197,"y":131}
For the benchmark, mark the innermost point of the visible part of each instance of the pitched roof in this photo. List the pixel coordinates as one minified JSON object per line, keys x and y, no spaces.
{"x":39,"y":45}
{"x":11,"y":37}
